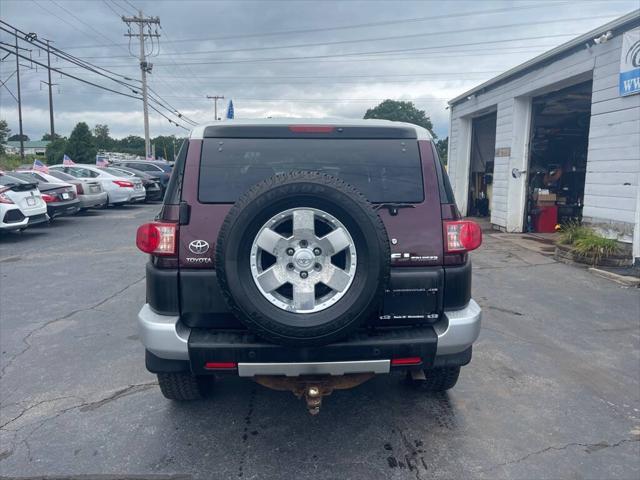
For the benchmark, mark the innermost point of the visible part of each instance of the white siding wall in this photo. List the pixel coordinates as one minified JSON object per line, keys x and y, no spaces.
{"x":614,"y":139}
{"x":613,"y":166}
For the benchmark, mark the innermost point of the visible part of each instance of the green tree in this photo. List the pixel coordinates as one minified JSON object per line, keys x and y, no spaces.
{"x":401,"y":112}
{"x":16,"y":138}
{"x":47,"y":137}
{"x":442,"y":147}
{"x":131,"y":144}
{"x":101,"y":134}
{"x":56,"y":150}
{"x":4,"y":133}
{"x":81,"y":146}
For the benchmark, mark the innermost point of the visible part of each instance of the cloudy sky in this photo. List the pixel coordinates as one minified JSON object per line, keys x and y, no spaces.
{"x":277,"y":58}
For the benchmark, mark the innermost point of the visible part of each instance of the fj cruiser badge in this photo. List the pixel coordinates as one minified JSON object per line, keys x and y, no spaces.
{"x":199,"y":247}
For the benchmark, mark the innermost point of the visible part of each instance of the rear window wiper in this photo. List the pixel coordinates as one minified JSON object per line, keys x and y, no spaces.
{"x":393,"y":207}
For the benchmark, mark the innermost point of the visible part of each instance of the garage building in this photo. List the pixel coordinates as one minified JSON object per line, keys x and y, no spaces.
{"x":556,"y":139}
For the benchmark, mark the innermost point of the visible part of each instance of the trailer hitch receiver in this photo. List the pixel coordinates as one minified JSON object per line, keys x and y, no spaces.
{"x":313,"y":387}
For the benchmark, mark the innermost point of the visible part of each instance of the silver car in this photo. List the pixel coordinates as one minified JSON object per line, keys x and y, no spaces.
{"x":90,"y":193}
{"x":120,"y":189}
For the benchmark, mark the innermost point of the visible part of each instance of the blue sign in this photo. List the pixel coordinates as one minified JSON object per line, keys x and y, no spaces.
{"x":629,"y":82}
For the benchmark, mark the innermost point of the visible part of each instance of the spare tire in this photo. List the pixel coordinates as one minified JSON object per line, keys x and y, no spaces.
{"x":302,"y":259}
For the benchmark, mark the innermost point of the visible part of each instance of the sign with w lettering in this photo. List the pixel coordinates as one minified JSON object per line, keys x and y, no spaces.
{"x":630,"y":63}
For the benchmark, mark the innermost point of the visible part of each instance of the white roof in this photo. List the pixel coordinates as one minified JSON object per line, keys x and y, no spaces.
{"x":422,"y":133}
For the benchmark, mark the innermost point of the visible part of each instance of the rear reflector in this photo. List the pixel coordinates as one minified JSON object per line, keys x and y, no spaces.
{"x":157,"y":238}
{"x":220,"y":365}
{"x":311,"y":128}
{"x":406,"y":361}
{"x":461,"y":236}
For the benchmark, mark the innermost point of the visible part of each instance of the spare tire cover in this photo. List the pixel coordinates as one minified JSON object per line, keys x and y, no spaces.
{"x":302,"y":259}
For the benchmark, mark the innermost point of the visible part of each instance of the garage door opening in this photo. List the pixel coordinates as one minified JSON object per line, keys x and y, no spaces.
{"x":483,"y":144}
{"x":558,"y":157}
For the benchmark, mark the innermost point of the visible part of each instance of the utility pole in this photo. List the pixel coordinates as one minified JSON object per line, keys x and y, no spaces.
{"x":215,"y":99}
{"x":50,"y":92}
{"x":19,"y":98}
{"x":145,"y":66}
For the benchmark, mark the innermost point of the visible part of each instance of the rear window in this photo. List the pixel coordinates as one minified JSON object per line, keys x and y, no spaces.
{"x":384,"y":170}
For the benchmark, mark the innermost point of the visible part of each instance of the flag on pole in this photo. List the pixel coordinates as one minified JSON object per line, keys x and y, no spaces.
{"x":67,"y":161}
{"x":230,"y":109}
{"x":38,"y":166}
{"x":101,"y":161}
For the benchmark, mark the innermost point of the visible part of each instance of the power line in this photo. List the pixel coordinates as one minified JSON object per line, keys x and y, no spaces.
{"x":349,"y":27}
{"x":356,"y":54}
{"x":72,"y":76}
{"x":112,"y":9}
{"x":376,"y":39}
{"x":87,"y":81}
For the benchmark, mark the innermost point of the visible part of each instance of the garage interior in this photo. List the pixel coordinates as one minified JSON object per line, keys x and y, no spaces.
{"x":558,"y":157}
{"x":483,"y":143}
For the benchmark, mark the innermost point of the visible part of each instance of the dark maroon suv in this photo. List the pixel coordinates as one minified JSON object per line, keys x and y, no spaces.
{"x":309,"y":257}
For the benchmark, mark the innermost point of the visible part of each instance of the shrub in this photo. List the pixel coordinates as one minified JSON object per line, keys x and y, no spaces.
{"x":595,"y":247}
{"x":570,"y":232}
{"x":10,"y":162}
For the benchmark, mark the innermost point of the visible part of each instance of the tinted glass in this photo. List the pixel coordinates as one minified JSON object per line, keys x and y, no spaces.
{"x":116,"y":173}
{"x":60,"y":175}
{"x":8,"y":180}
{"x":384,"y":170}
{"x":25,"y":177}
{"x":82,"y":172}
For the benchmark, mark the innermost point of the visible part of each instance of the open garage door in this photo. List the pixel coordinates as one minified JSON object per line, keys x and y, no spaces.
{"x":558,"y":157}
{"x":483,"y":147}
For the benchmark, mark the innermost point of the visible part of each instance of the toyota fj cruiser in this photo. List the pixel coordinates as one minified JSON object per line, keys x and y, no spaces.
{"x":309,"y":257}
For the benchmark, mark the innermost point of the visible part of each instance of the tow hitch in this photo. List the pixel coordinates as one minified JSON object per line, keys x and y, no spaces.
{"x":313,"y":387}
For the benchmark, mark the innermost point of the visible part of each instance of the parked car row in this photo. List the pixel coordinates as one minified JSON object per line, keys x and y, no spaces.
{"x":29,"y":197}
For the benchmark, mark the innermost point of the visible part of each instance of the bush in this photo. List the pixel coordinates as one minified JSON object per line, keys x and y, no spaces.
{"x":595,"y":247}
{"x":10,"y":162}
{"x":572,"y":231}
{"x":585,"y":242}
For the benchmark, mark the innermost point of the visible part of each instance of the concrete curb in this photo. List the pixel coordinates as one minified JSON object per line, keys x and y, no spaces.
{"x":622,"y":279}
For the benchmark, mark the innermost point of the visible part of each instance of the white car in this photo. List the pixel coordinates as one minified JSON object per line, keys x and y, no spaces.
{"x":120,"y":189}
{"x":21,"y":204}
{"x":90,"y":193}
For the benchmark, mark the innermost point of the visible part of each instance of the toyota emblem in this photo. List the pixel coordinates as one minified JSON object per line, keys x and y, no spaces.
{"x":199,"y":247}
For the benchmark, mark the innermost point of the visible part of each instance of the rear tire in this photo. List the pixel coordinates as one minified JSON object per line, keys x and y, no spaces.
{"x":182,"y":386}
{"x":438,"y":379}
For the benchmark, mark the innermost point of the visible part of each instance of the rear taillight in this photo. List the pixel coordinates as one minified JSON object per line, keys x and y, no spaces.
{"x":3,"y":195}
{"x":49,"y":198}
{"x":311,"y":128}
{"x":157,"y":238}
{"x":461,"y":236}
{"x":79,"y":189}
{"x":123,"y":183}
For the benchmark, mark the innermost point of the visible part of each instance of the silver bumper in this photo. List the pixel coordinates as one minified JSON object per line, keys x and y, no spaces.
{"x":166,"y":337}
{"x":317,"y":368}
{"x":458,"y":329}
{"x":163,"y":335}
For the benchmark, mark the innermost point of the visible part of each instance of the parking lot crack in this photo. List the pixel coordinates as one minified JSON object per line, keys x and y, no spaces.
{"x":27,"y":339}
{"x":588,"y":448}
{"x":130,"y":390}
{"x":31,"y":407}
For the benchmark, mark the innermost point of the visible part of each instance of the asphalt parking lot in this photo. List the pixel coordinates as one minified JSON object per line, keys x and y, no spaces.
{"x":553,"y":390}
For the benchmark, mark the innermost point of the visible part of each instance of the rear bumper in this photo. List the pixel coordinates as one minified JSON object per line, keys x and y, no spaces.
{"x":166,"y":337}
{"x":58,"y":209}
{"x":92,"y":200}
